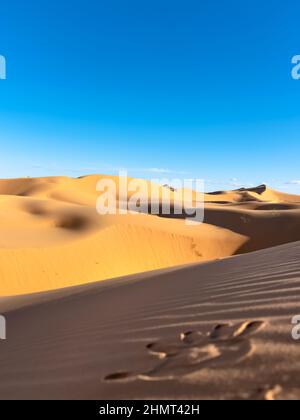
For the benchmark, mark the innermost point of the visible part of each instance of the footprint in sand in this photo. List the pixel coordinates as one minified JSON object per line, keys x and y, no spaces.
{"x":225,"y":345}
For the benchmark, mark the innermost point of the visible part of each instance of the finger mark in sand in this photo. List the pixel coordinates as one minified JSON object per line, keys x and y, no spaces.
{"x":251,"y":327}
{"x":190,"y":337}
{"x":231,"y":332}
{"x":119,"y":376}
{"x":221,"y":331}
{"x":162,"y":350}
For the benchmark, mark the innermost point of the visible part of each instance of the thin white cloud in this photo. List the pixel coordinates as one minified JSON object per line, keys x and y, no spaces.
{"x":227,"y":184}
{"x":158,"y":170}
{"x":293,"y":182}
{"x":161,"y":171}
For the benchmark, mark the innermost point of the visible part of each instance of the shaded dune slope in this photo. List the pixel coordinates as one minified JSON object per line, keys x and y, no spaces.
{"x":216,"y":330}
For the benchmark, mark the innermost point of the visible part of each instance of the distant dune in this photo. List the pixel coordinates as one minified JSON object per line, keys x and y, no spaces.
{"x":52,"y":237}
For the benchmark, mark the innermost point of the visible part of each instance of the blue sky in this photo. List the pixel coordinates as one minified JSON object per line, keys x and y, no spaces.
{"x":198,"y":88}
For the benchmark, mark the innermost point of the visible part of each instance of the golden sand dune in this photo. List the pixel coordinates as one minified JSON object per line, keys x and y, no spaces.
{"x":201,"y":326}
{"x":215,"y":330}
{"x":52,"y":237}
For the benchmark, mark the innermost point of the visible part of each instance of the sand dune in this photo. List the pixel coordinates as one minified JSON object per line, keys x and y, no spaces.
{"x":220,"y":330}
{"x":260,"y":194}
{"x":200,"y":320}
{"x":52,"y":237}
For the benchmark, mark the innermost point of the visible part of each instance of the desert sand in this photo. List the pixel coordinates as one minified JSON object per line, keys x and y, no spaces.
{"x":186,"y":312}
{"x":52,"y":237}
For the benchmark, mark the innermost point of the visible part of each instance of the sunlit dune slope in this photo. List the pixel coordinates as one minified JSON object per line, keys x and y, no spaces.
{"x":52,"y":237}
